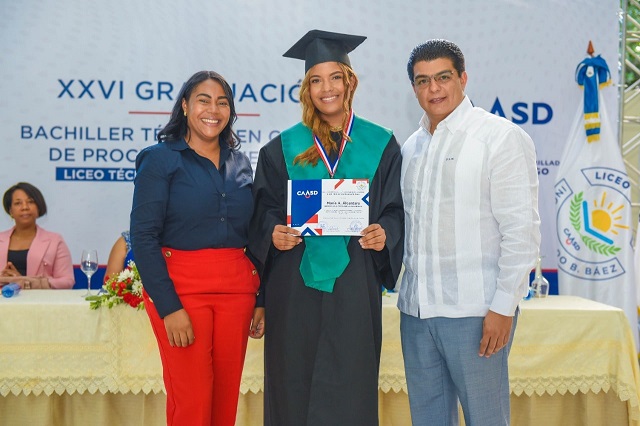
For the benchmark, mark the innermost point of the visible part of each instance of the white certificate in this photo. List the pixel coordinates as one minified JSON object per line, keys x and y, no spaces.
{"x":328,"y":206}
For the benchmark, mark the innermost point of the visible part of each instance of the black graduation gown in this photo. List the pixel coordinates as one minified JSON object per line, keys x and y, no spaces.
{"x":322,"y":350}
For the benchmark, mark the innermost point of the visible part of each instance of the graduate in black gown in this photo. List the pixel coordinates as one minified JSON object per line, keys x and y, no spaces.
{"x":323,"y":294}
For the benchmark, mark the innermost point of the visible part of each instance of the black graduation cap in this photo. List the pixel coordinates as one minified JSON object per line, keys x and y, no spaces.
{"x":318,"y":46}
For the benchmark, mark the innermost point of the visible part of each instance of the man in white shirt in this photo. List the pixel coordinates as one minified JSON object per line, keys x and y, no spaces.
{"x":470,"y":190}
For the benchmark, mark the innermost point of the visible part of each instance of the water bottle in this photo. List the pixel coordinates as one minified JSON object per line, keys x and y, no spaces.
{"x":529,"y":294}
{"x":540,"y":285}
{"x":10,"y":290}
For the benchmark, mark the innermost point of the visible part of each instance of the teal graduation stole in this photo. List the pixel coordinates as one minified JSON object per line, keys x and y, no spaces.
{"x":325,"y":258}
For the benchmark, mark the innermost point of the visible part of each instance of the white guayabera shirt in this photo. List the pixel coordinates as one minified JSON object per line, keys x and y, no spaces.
{"x":470,"y":195}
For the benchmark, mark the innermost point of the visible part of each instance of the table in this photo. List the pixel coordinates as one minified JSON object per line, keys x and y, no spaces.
{"x":573,"y":361}
{"x":62,"y":364}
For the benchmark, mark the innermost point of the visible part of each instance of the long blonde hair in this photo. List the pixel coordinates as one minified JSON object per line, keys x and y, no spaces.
{"x":318,"y":126}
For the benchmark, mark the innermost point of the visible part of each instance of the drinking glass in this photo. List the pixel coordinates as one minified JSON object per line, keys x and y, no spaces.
{"x":89,"y":265}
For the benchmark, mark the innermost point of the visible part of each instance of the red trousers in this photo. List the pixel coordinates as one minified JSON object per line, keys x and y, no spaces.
{"x":217,"y":288}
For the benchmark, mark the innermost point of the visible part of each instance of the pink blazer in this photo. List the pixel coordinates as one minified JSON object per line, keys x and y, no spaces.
{"x":48,"y":257}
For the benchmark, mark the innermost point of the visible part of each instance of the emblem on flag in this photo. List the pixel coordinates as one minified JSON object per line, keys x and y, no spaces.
{"x":591,"y":222}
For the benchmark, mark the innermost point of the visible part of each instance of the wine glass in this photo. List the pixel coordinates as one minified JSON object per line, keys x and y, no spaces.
{"x":89,"y":265}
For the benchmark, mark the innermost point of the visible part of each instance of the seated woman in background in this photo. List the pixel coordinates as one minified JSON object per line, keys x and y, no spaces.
{"x":30,"y":255}
{"x":119,"y":256}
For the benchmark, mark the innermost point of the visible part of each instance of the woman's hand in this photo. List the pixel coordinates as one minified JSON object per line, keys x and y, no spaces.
{"x":285,"y":238}
{"x":179,"y":329}
{"x":373,"y":237}
{"x":10,"y":271}
{"x":11,"y":275}
{"x":257,"y":324}
{"x":26,"y":282}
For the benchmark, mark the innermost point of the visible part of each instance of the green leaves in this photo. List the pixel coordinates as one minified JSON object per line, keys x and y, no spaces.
{"x":591,"y":243}
{"x":598,"y":247}
{"x":574,"y":212}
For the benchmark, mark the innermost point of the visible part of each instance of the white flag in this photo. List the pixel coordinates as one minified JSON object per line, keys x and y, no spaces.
{"x":636,"y":265}
{"x":594,"y":220}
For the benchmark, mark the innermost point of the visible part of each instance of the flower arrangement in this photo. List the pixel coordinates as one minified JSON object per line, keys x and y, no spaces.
{"x":123,"y":287}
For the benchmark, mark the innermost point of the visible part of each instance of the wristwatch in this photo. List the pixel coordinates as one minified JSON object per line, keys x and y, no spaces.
{"x":27,"y":284}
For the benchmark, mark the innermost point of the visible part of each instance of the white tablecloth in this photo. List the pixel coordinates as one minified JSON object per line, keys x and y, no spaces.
{"x":62,"y":363}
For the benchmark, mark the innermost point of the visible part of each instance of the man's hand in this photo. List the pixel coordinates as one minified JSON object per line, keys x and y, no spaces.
{"x":496,"y":330}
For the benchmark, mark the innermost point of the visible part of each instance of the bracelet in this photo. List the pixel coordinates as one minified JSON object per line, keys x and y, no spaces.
{"x":27,"y":284}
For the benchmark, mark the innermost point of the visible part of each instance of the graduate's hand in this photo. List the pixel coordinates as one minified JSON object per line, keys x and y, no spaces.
{"x":373,"y":237}
{"x":496,"y":330}
{"x":285,"y":238}
{"x":179,"y":329}
{"x":257,"y":324}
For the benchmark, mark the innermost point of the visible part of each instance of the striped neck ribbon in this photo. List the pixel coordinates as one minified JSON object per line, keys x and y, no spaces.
{"x":333,"y":166}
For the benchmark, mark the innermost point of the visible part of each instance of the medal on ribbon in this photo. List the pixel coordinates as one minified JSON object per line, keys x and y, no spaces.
{"x":332,"y":167}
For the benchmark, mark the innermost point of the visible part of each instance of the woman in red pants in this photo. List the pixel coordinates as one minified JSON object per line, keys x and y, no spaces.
{"x":189,"y":227}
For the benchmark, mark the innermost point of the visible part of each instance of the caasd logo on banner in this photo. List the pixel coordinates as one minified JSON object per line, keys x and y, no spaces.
{"x":522,"y":112}
{"x":589,"y":238}
{"x":306,"y":194}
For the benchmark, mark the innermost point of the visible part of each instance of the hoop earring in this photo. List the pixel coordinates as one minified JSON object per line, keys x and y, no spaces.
{"x":185,"y":113}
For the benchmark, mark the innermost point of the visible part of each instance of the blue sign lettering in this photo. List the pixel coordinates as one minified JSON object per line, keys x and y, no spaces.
{"x":540,"y":112}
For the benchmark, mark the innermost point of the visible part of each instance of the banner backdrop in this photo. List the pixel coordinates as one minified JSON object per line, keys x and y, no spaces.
{"x":86,"y":85}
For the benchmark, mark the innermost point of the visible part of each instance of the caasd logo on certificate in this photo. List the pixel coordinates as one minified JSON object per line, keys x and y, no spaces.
{"x":328,"y":206}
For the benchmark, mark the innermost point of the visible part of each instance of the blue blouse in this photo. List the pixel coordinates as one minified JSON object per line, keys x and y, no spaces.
{"x":127,"y":240}
{"x":182,"y":201}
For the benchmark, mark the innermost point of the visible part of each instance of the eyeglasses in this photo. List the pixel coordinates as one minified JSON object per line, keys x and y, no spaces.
{"x":441,"y":79}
